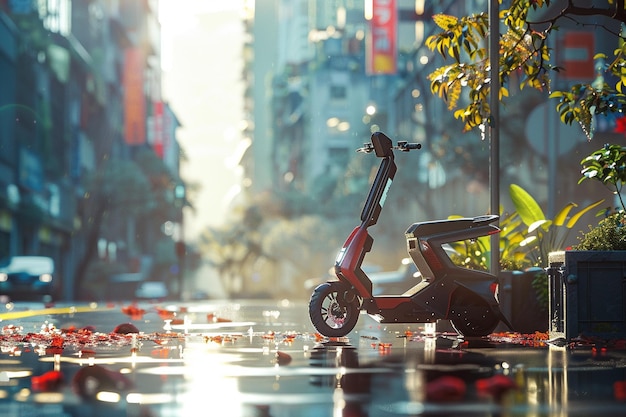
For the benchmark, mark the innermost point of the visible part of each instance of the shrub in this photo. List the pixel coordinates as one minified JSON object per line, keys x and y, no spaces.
{"x":609,"y":234}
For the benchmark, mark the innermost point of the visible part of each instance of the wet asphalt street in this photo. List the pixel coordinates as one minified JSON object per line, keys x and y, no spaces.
{"x":263,"y":358}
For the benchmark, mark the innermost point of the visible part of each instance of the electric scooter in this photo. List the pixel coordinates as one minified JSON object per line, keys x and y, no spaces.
{"x":446,"y":291}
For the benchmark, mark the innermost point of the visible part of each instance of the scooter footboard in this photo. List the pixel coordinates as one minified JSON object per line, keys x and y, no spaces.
{"x":398,"y":309}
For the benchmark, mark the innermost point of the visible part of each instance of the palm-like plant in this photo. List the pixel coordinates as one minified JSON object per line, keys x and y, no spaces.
{"x":545,"y":235}
{"x":526,"y":237}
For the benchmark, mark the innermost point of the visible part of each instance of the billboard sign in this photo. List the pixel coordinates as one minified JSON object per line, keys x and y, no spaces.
{"x":134,"y":99}
{"x":382,"y":38}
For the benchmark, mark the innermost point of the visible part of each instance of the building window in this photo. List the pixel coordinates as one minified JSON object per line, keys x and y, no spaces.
{"x":338,"y":92}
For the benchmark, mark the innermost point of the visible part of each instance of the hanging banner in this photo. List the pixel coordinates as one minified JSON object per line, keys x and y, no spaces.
{"x":134,"y":100}
{"x":382,"y":38}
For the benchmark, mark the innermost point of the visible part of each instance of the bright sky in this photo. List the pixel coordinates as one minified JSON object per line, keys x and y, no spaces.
{"x":202,"y":69}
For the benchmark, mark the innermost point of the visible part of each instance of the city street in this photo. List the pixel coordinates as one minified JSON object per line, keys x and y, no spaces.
{"x":264,"y":358}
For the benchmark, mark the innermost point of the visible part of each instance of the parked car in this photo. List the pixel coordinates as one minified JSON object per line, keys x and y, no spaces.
{"x":383,"y":282}
{"x":395,"y":282}
{"x":152,"y":290}
{"x":311,"y":283}
{"x":27,"y":277}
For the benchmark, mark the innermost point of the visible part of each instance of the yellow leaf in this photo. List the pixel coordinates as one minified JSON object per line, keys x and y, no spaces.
{"x":560,"y":218}
{"x":578,"y":215}
{"x":445,"y":21}
{"x":431,"y":41}
{"x":454,"y":93}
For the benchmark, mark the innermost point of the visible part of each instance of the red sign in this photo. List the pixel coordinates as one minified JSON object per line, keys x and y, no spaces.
{"x":577,"y":55}
{"x":134,"y":99}
{"x":157,"y":128}
{"x":382,"y":40}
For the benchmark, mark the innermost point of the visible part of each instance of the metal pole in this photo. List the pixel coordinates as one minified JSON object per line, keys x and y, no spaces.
{"x":494,"y":131}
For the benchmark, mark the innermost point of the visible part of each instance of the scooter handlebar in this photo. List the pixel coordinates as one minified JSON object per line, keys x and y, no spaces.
{"x":405,"y":146}
{"x":366,"y":148}
{"x":402,"y":146}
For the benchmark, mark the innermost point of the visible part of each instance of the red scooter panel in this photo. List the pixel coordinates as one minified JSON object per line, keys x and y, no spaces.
{"x":350,"y":258}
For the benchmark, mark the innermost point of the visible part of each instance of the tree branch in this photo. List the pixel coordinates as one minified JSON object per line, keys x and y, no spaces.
{"x":617,"y":13}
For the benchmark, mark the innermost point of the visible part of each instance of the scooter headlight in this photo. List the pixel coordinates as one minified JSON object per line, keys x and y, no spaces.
{"x":3,"y":276}
{"x":340,"y":256}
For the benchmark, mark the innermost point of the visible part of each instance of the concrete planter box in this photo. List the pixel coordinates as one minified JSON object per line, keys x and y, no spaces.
{"x":587,"y":292}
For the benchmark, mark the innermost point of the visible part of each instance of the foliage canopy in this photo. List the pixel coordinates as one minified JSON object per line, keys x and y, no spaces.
{"x":526,"y":59}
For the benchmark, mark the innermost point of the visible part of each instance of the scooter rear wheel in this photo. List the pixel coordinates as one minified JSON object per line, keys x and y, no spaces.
{"x":330,"y":311}
{"x":470,"y":315}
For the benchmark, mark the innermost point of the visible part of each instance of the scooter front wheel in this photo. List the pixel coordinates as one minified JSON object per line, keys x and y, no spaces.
{"x":334,"y":309}
{"x":470,"y":315}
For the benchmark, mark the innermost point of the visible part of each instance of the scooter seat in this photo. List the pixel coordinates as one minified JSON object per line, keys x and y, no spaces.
{"x":448,"y":225}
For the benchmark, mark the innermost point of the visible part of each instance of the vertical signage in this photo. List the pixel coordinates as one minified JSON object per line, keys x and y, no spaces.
{"x":157,"y":129}
{"x":577,"y":56}
{"x":382,"y":42}
{"x":134,"y":100}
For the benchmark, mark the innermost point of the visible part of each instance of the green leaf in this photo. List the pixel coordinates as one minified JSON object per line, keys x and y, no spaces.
{"x":528,"y":209}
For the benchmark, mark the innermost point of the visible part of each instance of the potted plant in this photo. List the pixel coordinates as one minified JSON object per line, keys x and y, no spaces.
{"x":608,"y":166}
{"x":587,"y":294}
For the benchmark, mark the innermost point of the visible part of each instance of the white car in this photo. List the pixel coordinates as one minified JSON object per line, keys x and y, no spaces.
{"x":151,"y":290}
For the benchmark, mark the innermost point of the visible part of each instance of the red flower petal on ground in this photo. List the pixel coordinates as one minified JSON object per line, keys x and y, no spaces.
{"x":88,"y":329}
{"x":496,"y":386}
{"x":134,"y":311}
{"x":57,"y":342}
{"x":54,"y":350}
{"x":283,"y":358}
{"x":125,"y":328}
{"x":619,"y":390}
{"x":446,"y":389}
{"x":49,"y":381}
{"x":87,"y":353}
{"x":213,"y":318}
{"x":71,"y":329}
{"x":91,"y":380}
{"x":165,"y":314}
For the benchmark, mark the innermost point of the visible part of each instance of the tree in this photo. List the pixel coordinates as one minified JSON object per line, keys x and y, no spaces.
{"x":234,"y":247}
{"x":527,"y":59}
{"x":118,"y":187}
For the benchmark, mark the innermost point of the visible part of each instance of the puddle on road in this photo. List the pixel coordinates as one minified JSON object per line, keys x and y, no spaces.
{"x":195,"y":358}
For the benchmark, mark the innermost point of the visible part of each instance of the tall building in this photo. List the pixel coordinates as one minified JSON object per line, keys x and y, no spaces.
{"x":81,"y":89}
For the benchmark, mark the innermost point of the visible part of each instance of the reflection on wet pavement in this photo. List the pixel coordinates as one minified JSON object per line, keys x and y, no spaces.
{"x":263,"y":359}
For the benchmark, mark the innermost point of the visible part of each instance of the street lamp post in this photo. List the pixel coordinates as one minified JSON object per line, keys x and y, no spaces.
{"x":494,"y":131}
{"x":180,"y":247}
